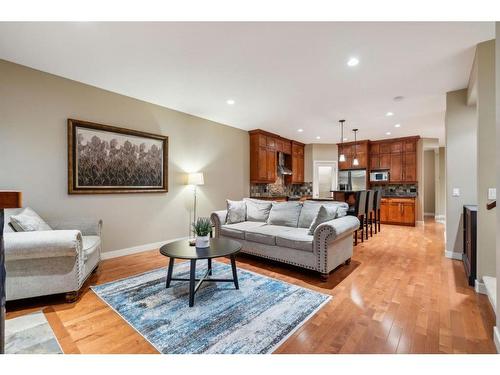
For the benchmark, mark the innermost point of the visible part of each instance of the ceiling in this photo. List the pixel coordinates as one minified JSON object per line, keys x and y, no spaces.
{"x":282,"y":76}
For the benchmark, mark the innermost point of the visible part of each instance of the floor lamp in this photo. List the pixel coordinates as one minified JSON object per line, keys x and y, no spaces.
{"x":195,"y":179}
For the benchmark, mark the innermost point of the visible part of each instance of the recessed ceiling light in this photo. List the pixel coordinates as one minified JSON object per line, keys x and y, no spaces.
{"x":388,"y":114}
{"x":397,"y":125}
{"x":318,"y":137}
{"x":388,"y":133}
{"x":300,"y":130}
{"x":230,"y":101}
{"x":353,"y":61}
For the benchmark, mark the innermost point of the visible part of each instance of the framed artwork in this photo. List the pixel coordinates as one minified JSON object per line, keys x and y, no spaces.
{"x":105,"y":159}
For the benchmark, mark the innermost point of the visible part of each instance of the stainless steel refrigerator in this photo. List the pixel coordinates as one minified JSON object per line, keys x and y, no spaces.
{"x":352,"y":180}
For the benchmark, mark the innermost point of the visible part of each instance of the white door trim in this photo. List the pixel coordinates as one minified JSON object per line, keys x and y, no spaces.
{"x":316,"y":164}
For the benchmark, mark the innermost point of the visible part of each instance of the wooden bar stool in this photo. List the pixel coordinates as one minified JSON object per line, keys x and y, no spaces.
{"x":377,"y":200}
{"x":359,"y":210}
{"x":369,"y":213}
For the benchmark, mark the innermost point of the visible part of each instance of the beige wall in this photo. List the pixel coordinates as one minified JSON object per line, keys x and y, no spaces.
{"x":497,"y":79}
{"x":461,"y":164}
{"x":34,"y":107}
{"x":429,"y":182}
{"x":316,"y":151}
{"x":440,"y":173}
{"x":486,"y":151}
{"x":419,"y":209}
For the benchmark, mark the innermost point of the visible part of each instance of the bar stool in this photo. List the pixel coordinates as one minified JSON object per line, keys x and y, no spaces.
{"x":359,"y":210}
{"x":377,"y":201}
{"x":369,"y":213}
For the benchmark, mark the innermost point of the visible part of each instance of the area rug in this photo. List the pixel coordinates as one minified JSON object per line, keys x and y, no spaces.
{"x":257,"y":318}
{"x":30,"y":334}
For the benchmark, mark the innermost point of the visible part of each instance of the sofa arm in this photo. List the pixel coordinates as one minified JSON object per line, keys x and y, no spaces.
{"x":336,"y":228}
{"x":218,"y":219}
{"x":42,"y":244}
{"x":88,"y":227}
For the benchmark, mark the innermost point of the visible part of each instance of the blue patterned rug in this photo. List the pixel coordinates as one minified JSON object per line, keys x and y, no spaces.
{"x":30,"y":334}
{"x":257,"y":318}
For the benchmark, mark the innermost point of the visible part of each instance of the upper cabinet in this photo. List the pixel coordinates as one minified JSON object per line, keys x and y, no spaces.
{"x":264,"y":148}
{"x":297,"y":176}
{"x":350,"y":150}
{"x":399,"y":156}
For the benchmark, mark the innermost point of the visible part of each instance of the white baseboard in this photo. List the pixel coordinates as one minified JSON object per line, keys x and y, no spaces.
{"x":453,"y":255}
{"x":496,"y":338}
{"x":136,"y":249}
{"x":490,"y":284}
{"x":429,"y":214}
{"x":440,"y":219}
{"x":480,"y":287}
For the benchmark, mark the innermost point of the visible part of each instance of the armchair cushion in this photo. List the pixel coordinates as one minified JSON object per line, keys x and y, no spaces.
{"x":42,"y":244}
{"x":28,"y":221}
{"x":88,"y":226}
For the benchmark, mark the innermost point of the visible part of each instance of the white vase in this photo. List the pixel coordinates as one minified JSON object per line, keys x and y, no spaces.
{"x":202,"y":241}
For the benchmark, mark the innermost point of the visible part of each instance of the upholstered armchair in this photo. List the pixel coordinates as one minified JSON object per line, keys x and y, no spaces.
{"x":51,"y":262}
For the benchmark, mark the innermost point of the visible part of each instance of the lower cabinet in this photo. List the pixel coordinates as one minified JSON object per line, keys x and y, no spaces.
{"x":399,"y":211}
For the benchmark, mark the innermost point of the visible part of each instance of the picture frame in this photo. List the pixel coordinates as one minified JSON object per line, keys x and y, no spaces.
{"x":105,"y":159}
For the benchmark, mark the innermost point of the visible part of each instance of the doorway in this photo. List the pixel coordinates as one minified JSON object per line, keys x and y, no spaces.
{"x":324,"y":178}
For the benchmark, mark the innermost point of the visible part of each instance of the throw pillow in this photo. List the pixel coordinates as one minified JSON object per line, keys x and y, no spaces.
{"x":285,"y":214}
{"x":257,"y":210}
{"x":28,"y":221}
{"x":236,"y":211}
{"x":325,"y":213}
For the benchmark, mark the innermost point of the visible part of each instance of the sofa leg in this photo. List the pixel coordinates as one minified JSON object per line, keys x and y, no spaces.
{"x":95,"y":269}
{"x":324,"y":277}
{"x":71,"y":296}
{"x":348,"y":261}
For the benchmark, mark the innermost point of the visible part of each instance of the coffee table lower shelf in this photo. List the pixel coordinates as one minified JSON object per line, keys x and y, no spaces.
{"x":193,"y":288}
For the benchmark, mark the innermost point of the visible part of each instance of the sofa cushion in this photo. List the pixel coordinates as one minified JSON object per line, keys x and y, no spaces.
{"x":28,"y":221}
{"x":236,"y":211}
{"x":325,"y":213}
{"x":298,"y":239}
{"x":310,"y":210}
{"x":266,"y":234}
{"x":285,"y":214}
{"x":238,"y":230}
{"x":257,"y":210}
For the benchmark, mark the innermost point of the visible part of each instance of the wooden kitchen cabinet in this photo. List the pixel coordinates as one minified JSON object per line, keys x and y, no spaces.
{"x":297,"y":176}
{"x":398,"y":211}
{"x":396,"y":169}
{"x":398,"y":156}
{"x":264,"y":148}
{"x":262,"y":157}
{"x":360,"y":150}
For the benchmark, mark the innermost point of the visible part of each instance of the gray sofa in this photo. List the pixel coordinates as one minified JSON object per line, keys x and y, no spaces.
{"x":330,"y":245}
{"x":52,"y":261}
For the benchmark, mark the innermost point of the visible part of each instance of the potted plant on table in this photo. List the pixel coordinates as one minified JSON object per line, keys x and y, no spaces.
{"x":202,"y":228}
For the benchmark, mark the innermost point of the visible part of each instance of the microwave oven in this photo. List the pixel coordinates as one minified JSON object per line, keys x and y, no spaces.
{"x":379,"y":176}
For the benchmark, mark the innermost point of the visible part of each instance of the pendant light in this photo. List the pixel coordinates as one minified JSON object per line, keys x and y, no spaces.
{"x":342,"y":156}
{"x":355,"y":161}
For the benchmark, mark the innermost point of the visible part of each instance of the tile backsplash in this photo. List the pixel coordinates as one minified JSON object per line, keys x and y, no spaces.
{"x":398,"y":190}
{"x":279,"y":188}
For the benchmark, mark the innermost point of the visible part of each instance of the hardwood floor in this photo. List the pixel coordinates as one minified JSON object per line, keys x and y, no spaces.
{"x":398,"y":295}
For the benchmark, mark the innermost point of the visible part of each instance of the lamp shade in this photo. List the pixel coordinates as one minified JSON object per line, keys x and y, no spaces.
{"x":195,"y":179}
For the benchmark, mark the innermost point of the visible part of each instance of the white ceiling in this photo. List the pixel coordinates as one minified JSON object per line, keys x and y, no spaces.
{"x":283,"y":76}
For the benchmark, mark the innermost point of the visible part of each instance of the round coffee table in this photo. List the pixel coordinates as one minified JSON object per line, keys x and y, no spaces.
{"x":219,"y":247}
